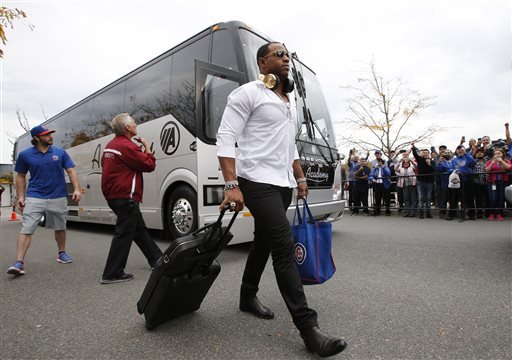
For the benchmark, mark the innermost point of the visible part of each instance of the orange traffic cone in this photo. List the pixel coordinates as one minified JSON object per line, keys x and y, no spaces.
{"x":14,"y":216}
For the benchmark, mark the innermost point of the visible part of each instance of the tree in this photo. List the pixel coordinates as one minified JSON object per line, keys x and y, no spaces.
{"x":7,"y":17}
{"x":384,"y":109}
{"x":24,"y":123}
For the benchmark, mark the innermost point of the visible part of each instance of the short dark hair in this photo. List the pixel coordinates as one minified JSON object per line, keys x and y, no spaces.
{"x":263,"y":50}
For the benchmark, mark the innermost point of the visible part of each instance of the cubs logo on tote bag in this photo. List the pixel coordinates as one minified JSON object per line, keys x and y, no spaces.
{"x":312,"y":247}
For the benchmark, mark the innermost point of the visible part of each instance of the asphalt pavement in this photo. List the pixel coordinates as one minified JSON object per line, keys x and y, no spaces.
{"x":404,"y":289}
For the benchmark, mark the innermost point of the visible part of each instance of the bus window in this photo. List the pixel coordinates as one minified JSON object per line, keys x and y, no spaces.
{"x":215,"y":96}
{"x":223,"y":50}
{"x":183,"y":94}
{"x":250,"y":44}
{"x":61,"y":127}
{"x":148,"y":93}
{"x":104,"y":107}
{"x":78,"y":125}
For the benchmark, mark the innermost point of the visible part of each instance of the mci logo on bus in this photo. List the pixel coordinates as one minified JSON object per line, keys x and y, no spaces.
{"x":170,"y":138}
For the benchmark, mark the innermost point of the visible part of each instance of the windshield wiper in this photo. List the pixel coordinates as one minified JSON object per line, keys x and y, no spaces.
{"x":308,"y":119}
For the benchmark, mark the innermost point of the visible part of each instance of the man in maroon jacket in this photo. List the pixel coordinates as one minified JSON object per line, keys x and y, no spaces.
{"x":123,"y":163}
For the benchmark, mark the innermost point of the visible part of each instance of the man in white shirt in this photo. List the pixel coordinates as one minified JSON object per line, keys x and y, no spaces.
{"x":260,"y":118}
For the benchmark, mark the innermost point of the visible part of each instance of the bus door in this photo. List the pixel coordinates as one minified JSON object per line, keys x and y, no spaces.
{"x":213,"y":85}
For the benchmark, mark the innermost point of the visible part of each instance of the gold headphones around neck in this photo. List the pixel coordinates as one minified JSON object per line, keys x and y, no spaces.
{"x":271,"y":81}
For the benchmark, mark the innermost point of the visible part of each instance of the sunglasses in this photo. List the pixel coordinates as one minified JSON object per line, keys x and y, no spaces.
{"x":279,"y":54}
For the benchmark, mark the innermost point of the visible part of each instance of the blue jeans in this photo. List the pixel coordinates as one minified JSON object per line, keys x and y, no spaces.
{"x":497,"y":198}
{"x":424,"y":195}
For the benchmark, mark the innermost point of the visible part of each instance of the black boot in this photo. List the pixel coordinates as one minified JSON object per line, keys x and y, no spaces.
{"x":319,"y":343}
{"x":255,"y":307}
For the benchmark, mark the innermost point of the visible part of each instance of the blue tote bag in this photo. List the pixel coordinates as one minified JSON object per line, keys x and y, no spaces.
{"x":312,"y":247}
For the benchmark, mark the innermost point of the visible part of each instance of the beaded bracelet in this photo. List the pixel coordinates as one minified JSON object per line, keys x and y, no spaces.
{"x":232,"y":184}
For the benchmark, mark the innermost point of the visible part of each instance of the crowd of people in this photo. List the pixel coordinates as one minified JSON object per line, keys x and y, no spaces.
{"x":468,"y":181}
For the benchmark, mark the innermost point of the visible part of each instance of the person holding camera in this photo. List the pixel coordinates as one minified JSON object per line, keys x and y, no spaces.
{"x":361,"y":175}
{"x":498,"y":168}
{"x":406,"y":175}
{"x":443,"y":169}
{"x":487,"y":146}
{"x":471,"y":146}
{"x":380,"y":176}
{"x":425,"y":180}
{"x":480,"y":185}
{"x":353,"y":165}
{"x":464,"y":164}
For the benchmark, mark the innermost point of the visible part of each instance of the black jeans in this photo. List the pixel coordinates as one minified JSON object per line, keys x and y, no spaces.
{"x":272,"y":235}
{"x":380,"y":193}
{"x":481,"y":194}
{"x":351,"y":194}
{"x":130,"y":227}
{"x":361,"y":200}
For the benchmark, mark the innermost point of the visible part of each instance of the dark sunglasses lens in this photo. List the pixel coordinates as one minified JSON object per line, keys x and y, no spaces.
{"x":281,"y":53}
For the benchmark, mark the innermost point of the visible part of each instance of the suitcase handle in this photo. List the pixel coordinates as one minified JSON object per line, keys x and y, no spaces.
{"x":223,"y":211}
{"x":218,"y":222}
{"x":207,"y":245}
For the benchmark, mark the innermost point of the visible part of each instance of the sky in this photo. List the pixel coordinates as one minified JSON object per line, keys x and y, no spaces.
{"x":458,"y":52}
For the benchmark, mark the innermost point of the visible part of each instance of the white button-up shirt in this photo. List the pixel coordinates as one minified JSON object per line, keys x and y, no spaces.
{"x":264,"y":126}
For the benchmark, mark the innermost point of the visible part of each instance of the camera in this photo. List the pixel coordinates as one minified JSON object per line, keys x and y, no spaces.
{"x":497,"y":144}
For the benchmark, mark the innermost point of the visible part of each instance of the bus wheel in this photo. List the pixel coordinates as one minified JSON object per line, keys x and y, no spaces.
{"x":181,"y":214}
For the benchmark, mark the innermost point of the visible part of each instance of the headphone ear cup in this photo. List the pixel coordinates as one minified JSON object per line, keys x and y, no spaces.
{"x":275,"y":79}
{"x":270,"y":81}
{"x":289,"y":85}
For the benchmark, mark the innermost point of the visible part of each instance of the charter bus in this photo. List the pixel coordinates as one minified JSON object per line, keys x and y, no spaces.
{"x":177,"y":100}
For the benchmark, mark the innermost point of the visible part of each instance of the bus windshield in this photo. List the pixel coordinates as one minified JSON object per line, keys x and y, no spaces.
{"x":323,"y":131}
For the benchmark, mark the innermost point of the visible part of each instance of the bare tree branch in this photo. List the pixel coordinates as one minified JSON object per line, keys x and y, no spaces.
{"x":23,"y":122}
{"x":386,"y":110}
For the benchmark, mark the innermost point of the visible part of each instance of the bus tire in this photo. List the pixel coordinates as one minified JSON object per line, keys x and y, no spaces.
{"x":181,"y":212}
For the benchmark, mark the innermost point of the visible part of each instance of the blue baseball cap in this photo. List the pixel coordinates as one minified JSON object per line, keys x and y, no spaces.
{"x":40,"y":130}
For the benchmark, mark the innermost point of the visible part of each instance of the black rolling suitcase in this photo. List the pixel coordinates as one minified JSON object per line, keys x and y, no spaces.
{"x":182,"y":277}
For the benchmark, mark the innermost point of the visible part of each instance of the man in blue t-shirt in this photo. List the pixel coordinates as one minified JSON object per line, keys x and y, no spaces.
{"x":46,"y":193}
